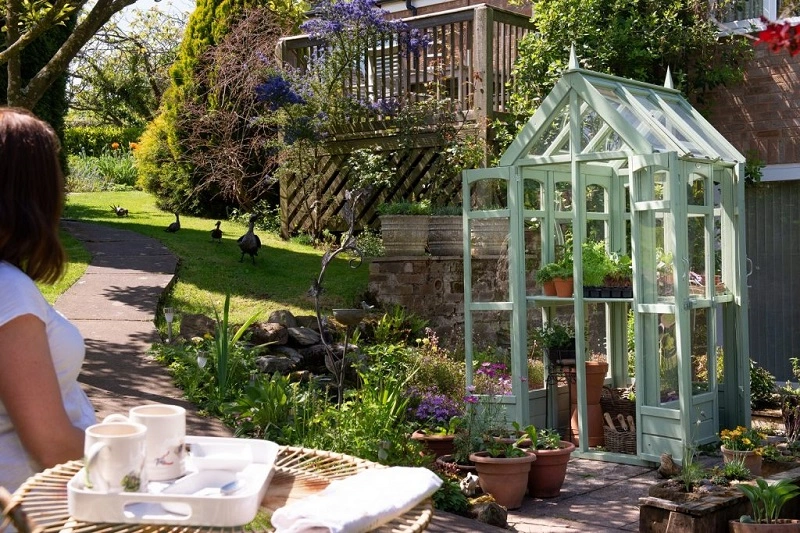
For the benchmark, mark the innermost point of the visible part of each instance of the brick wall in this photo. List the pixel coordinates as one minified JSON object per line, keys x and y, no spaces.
{"x":763,"y":113}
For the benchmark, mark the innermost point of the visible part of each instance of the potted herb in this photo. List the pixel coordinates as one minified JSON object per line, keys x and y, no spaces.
{"x":767,"y":500}
{"x":620,"y":274}
{"x":548,"y":472}
{"x":563,"y":278}
{"x":557,"y":338}
{"x":545,"y":276}
{"x":596,"y":265}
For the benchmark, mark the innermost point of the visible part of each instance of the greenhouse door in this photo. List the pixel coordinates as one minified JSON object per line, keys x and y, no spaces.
{"x":674,"y":315}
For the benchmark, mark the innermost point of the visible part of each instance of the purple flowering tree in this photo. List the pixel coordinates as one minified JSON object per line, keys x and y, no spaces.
{"x":311,"y":105}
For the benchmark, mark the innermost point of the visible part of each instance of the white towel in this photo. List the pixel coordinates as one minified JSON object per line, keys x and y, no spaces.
{"x":358,"y":503}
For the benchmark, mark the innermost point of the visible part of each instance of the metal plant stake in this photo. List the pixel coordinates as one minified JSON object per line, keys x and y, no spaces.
{"x":336,"y":364}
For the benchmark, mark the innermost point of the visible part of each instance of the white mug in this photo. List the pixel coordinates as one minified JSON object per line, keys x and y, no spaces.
{"x":166,"y":436}
{"x":115,"y":457}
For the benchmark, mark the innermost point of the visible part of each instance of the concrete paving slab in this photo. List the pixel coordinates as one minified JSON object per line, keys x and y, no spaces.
{"x":127,"y":297}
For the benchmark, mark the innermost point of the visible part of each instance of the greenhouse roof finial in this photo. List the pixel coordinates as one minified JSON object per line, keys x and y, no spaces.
{"x":668,"y":80}
{"x":573,"y":59}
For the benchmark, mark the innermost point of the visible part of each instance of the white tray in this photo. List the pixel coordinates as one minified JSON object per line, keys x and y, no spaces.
{"x":194,"y":499}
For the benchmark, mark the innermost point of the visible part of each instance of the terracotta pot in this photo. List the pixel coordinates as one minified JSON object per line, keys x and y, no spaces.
{"x":404,"y":234}
{"x":781,"y":526}
{"x":445,"y":235}
{"x":447,"y":461}
{"x":564,"y":287}
{"x":505,"y":478}
{"x":547,"y":473}
{"x":595,"y":379}
{"x":549,"y":288}
{"x":437,"y":445}
{"x":751,"y":459}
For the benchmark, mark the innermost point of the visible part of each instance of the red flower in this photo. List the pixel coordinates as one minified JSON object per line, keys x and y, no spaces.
{"x":780,"y":35}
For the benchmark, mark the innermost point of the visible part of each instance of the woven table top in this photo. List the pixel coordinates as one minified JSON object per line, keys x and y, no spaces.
{"x":299,"y":472}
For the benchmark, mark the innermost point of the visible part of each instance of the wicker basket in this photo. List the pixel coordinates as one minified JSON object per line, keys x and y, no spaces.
{"x":613,"y":403}
{"x":620,"y":441}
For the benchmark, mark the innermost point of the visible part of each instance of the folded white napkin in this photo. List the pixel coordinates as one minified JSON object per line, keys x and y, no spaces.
{"x":358,"y":503}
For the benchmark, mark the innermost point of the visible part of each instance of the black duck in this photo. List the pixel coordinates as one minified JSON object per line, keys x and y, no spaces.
{"x":175,"y":226}
{"x":216,"y":233}
{"x":249,"y":243}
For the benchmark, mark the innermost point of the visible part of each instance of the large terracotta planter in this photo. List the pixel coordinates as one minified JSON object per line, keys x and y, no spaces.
{"x":595,"y":379}
{"x":505,"y":478}
{"x":547,"y":473}
{"x":490,"y":236}
{"x":404,"y":234}
{"x":445,"y":235}
{"x":781,"y":526}
{"x":437,"y":445}
{"x":752,"y":460}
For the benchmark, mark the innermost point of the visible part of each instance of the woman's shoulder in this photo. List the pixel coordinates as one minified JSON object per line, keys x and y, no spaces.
{"x":19,"y":295}
{"x":13,"y":275}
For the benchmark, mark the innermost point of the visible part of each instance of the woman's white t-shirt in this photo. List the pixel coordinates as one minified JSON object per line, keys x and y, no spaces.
{"x":20,"y":296}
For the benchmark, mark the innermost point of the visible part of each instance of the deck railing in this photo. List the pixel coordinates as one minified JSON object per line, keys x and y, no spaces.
{"x":470,"y":58}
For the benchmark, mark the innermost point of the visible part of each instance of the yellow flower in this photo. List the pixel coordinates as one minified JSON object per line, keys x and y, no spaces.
{"x":114,"y":146}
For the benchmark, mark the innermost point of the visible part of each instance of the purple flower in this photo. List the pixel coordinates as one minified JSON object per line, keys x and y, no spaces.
{"x":277,"y":92}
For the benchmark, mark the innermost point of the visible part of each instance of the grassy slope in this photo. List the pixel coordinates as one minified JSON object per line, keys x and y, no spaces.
{"x":280,"y":279}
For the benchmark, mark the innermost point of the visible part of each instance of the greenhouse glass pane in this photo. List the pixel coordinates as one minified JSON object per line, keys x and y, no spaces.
{"x":532,"y":194}
{"x":721,"y":150}
{"x":700,"y":326}
{"x":633,"y":119}
{"x":670,"y":127}
{"x":545,"y":140}
{"x":668,"y":359}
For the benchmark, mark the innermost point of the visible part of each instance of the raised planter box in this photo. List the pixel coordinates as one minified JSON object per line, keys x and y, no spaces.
{"x":710,"y":513}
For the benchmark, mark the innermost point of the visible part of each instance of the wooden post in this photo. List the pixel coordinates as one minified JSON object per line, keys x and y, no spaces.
{"x":482,"y":43}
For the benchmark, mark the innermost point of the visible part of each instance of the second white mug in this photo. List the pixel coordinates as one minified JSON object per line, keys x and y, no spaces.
{"x":166,"y":439}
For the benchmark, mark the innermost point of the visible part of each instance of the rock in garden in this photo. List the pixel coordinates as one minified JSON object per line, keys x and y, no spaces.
{"x":303,"y":336}
{"x":286,"y":351}
{"x":268,"y":333}
{"x":490,"y":513}
{"x":307,"y":321}
{"x":269,"y":364}
{"x":196,"y":326}
{"x":283,"y":317}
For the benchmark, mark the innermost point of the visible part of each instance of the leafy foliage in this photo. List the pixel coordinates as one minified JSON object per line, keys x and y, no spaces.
{"x":167,"y":166}
{"x":122,"y":72}
{"x":635,"y":39}
{"x":96,"y":140}
{"x":768,"y":499}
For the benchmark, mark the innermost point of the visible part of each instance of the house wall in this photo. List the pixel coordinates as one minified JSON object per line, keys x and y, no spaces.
{"x":763,"y":113}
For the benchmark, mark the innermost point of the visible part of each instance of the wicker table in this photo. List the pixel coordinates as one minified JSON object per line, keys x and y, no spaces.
{"x":298,"y":473}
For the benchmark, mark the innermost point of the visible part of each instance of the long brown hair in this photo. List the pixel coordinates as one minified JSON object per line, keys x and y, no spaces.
{"x":31,"y":195}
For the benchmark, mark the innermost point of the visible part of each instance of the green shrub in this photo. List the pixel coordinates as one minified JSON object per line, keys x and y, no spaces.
{"x":97,"y":140}
{"x":762,"y":385}
{"x":449,"y":497}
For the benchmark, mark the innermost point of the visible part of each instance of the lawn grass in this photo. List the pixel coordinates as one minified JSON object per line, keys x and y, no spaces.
{"x":78,"y":261}
{"x":280,"y":279}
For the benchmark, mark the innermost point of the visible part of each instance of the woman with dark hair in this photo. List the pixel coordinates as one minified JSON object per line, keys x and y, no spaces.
{"x":43,"y":410}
